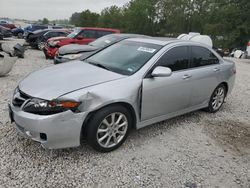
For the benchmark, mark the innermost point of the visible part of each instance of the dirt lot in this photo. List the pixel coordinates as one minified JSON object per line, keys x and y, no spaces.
{"x":194,"y":150}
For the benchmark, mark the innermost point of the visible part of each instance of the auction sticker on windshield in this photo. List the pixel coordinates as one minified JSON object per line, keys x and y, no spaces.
{"x":144,"y":49}
{"x":107,"y":41}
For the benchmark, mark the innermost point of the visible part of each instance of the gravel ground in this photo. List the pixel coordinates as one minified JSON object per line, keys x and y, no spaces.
{"x":194,"y":150}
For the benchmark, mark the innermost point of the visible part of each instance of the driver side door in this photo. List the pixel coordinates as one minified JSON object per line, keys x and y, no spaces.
{"x":166,"y":95}
{"x":86,"y":36}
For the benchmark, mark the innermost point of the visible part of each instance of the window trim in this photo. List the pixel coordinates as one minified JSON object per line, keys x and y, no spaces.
{"x":154,"y":65}
{"x":150,"y":70}
{"x":190,"y":56}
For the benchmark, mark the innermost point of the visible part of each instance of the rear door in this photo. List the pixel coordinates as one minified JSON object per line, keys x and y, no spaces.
{"x":205,"y":71}
{"x":165,"y":95}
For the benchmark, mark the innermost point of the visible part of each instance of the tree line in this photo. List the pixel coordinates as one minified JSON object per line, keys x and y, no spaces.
{"x":226,"y":21}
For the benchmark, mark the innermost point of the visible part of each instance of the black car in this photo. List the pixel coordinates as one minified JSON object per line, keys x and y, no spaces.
{"x":76,"y":51}
{"x":38,"y":38}
{"x":5,"y":32}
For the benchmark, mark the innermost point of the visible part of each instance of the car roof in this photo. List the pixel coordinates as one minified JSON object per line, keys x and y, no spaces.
{"x":100,"y":29}
{"x":128,"y":35}
{"x":155,"y":40}
{"x":163,"y":41}
{"x":58,"y":30}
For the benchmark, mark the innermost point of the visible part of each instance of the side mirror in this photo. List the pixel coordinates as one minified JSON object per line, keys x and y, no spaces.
{"x":161,"y":72}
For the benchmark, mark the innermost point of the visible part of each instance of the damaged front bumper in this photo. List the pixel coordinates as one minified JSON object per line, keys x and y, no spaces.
{"x":56,"y":131}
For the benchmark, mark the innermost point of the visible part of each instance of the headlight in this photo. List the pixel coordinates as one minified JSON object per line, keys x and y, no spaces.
{"x":72,"y":56}
{"x":53,"y":43}
{"x":44,"y":107}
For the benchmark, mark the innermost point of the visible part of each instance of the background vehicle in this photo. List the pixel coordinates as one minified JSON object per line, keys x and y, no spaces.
{"x":8,"y":25}
{"x":79,"y":36}
{"x":38,"y":38}
{"x":76,"y":51}
{"x":18,"y":32}
{"x":4,"y":21}
{"x":33,"y":27}
{"x":51,"y":34}
{"x":6,"y":32}
{"x":131,"y":84}
{"x":1,"y":36}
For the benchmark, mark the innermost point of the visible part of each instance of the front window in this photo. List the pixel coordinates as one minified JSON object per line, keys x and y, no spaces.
{"x":125,"y":57}
{"x":74,"y":33}
{"x":104,"y":41}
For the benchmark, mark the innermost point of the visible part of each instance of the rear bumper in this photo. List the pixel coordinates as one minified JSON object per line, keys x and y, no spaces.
{"x":61,"y":130}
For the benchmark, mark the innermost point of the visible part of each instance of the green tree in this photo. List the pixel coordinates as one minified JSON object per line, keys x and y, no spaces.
{"x":111,"y":17}
{"x":140,"y":16}
{"x":45,"y":21}
{"x":85,"y":19}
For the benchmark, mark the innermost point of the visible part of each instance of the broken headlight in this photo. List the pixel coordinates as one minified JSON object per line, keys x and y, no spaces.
{"x":72,"y":56}
{"x":53,"y":43}
{"x":44,"y":107}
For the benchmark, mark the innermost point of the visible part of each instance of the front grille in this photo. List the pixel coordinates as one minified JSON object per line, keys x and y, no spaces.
{"x":19,"y":98}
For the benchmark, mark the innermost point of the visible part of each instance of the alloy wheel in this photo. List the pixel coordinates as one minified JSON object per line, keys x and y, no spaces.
{"x":218,"y":98}
{"x":41,"y":45}
{"x":112,"y":130}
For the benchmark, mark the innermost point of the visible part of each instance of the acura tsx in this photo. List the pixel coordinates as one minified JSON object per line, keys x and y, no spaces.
{"x":131,"y":84}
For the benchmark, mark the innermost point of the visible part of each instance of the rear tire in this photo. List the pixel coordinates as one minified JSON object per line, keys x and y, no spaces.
{"x":217,"y":99}
{"x":108,"y":128}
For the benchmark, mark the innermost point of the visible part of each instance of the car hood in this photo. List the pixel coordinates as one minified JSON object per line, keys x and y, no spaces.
{"x":55,"y":81}
{"x":75,"y":48}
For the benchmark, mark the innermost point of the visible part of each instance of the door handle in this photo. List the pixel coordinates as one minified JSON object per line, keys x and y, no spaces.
{"x":216,"y":69}
{"x":186,"y":76}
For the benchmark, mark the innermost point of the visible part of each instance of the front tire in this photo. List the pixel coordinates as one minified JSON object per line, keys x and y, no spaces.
{"x":40,"y":45}
{"x":20,"y":35}
{"x":217,"y":99}
{"x":108,"y":128}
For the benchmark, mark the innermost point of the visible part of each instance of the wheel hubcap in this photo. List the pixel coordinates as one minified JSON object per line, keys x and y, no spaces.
{"x":218,"y":98}
{"x":112,"y":130}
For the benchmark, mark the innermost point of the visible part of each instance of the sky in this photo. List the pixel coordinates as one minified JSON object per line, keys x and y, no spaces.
{"x":52,"y":9}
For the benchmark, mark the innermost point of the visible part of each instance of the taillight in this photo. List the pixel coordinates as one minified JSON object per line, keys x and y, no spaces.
{"x":248,"y":44}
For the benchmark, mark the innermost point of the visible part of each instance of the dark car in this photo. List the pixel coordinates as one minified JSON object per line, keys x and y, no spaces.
{"x":8,"y":25}
{"x":18,"y":32}
{"x":38,"y":38}
{"x":34,"y":27}
{"x":6,"y":32}
{"x":52,"y":33}
{"x":75,"y":51}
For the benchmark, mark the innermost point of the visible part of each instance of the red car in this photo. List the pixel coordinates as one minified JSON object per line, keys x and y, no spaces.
{"x":79,"y":36}
{"x":8,"y":25}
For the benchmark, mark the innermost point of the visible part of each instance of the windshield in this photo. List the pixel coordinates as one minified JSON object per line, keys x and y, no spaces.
{"x":125,"y":57}
{"x":104,"y":41}
{"x":74,"y":33}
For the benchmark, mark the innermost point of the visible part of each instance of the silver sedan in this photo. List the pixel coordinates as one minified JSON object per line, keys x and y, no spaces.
{"x":131,"y":84}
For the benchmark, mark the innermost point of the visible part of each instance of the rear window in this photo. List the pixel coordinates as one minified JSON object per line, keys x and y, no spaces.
{"x":201,"y":56}
{"x":104,"y":41}
{"x":103,"y":33}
